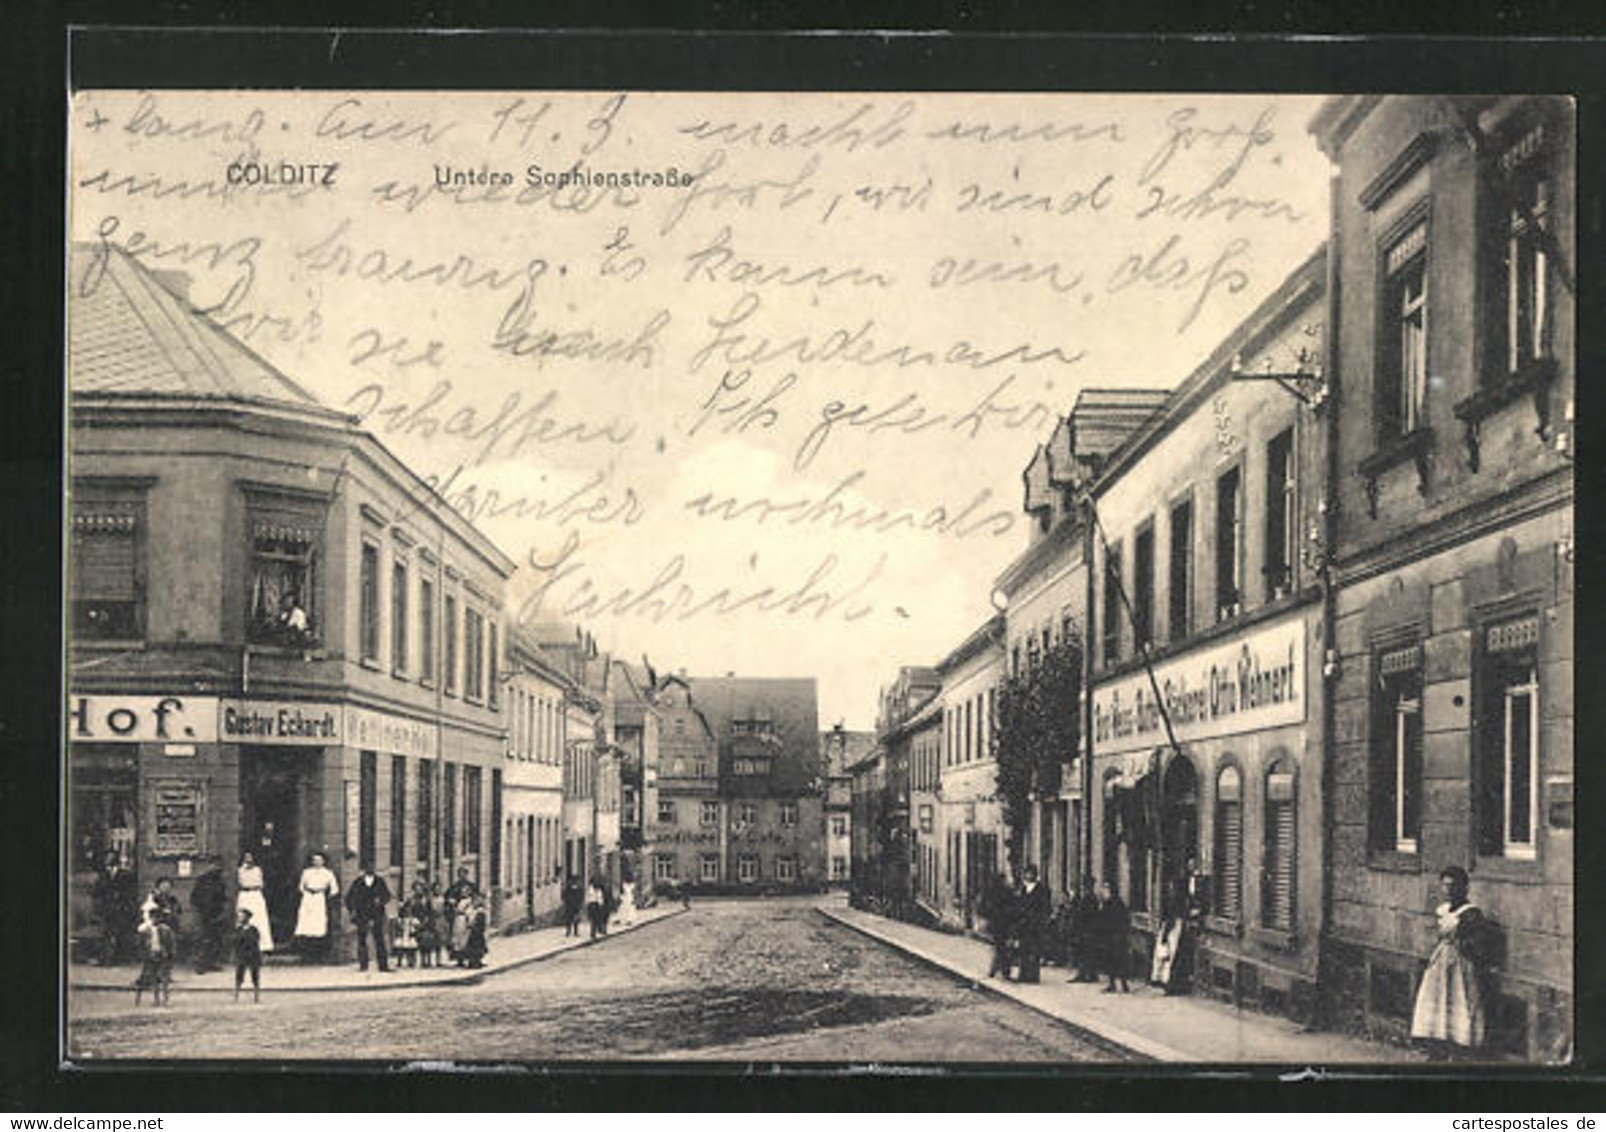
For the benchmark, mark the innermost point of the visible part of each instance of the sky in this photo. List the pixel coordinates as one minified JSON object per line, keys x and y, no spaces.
{"x":744,"y":383}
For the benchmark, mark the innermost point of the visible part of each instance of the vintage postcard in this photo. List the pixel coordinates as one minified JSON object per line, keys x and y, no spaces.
{"x":822,"y":578}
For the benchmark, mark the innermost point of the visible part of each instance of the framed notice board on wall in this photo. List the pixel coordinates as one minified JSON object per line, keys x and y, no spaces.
{"x":178,"y":817}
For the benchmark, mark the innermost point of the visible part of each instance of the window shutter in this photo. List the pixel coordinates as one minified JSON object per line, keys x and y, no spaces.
{"x":1229,"y":904}
{"x":104,"y":562}
{"x":1278,"y":910}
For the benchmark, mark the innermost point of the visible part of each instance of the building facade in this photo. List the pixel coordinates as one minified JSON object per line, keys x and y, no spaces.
{"x":281,"y":640}
{"x":970,"y":822}
{"x":840,"y":750}
{"x":1207,"y":699}
{"x":532,"y":784}
{"x":687,"y":817}
{"x":1454,"y":222}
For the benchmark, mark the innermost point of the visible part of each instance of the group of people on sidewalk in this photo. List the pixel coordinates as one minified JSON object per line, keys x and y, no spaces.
{"x":1094,"y":927}
{"x":598,"y":904}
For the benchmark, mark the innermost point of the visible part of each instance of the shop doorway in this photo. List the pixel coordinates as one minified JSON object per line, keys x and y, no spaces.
{"x":276,"y":810}
{"x":1179,"y":835}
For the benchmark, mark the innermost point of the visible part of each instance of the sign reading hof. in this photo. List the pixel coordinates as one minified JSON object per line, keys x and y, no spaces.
{"x":279,"y":723}
{"x":137,"y":719}
{"x":1254,"y":682}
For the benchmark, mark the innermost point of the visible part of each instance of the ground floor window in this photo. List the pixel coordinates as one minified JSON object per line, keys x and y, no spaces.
{"x":785,"y":868}
{"x":1277,"y":870}
{"x":663,"y":868}
{"x":1507,"y":740}
{"x":1395,"y":789}
{"x":747,"y":868}
{"x":1229,"y":844}
{"x":709,"y":867}
{"x":104,"y":810}
{"x":839,"y":868}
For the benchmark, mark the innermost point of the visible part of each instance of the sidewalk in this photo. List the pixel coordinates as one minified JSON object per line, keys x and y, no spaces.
{"x":1145,"y":1022}
{"x":506,"y":953}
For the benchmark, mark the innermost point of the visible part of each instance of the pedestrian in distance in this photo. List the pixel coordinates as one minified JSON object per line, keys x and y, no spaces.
{"x":597,"y":908}
{"x":474,"y":947}
{"x":113,"y":897}
{"x":1114,"y":926}
{"x":1449,"y":1014}
{"x":997,"y":914}
{"x":159,"y":944}
{"x":627,"y":903}
{"x":404,"y":935}
{"x":210,"y":899}
{"x":366,"y":900}
{"x":574,"y":900}
{"x":1031,"y":924}
{"x":420,"y":908}
{"x":247,"y":954}
{"x":318,"y":886}
{"x":1082,"y":917}
{"x":249,"y":878}
{"x":457,"y":902}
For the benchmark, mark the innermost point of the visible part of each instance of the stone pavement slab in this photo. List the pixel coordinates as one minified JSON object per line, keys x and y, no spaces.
{"x":1146,"y":1021}
{"x":506,"y":953}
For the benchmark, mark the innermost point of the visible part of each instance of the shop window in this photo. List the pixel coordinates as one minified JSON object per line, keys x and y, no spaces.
{"x":103,"y":806}
{"x":492,"y":667}
{"x":710,"y":813}
{"x":786,"y":868}
{"x":398,"y":617}
{"x":747,"y":868}
{"x":1229,"y":544}
{"x":398,"y":810}
{"x":425,"y":816}
{"x":1143,"y":588}
{"x":284,"y":565}
{"x":473,"y":654}
{"x":1277,"y":862}
{"x":708,"y":866}
{"x":1506,"y":737}
{"x":472,"y":801}
{"x":1179,"y":580}
{"x":666,"y":811}
{"x":1110,"y":860}
{"x":1402,"y":373}
{"x":1112,"y":603}
{"x":367,"y":807}
{"x":449,"y":811}
{"x":1281,"y":519}
{"x":1395,"y":786}
{"x":788,"y":813}
{"x":663,"y":868}
{"x":108,"y":592}
{"x":1229,"y":854}
{"x":496,"y":820}
{"x":368,"y":599}
{"x":1526,"y":191}
{"x":449,"y":677}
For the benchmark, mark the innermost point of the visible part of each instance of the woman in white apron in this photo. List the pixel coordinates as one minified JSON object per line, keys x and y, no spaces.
{"x":627,"y":903}
{"x":318,"y":884}
{"x":249,"y":878}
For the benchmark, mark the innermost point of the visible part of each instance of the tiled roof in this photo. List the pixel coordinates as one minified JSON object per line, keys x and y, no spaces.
{"x":130,"y":334}
{"x":790,"y":704}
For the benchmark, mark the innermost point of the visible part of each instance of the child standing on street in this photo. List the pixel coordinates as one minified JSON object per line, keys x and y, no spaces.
{"x":404,"y":936}
{"x":156,"y":973}
{"x":247,"y":955}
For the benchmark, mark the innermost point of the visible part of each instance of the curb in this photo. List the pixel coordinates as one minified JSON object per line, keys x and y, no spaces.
{"x":466,"y":978}
{"x":1109,"y":1036}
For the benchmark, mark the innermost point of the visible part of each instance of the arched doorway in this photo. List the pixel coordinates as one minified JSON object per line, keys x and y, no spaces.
{"x":1179,"y":834}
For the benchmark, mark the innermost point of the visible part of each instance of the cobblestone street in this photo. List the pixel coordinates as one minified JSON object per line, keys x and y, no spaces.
{"x":769,"y":980}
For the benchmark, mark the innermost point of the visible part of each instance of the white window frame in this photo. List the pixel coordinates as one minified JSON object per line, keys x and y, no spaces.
{"x":708,"y":867}
{"x":667,"y":814}
{"x":1522,"y":850}
{"x":785,"y":868}
{"x":788,"y":813}
{"x":709,"y":814}
{"x":747,"y":868}
{"x":663,"y":868}
{"x":1403,"y":708}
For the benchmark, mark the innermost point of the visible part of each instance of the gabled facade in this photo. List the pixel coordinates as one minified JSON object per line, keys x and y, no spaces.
{"x":686,"y":822}
{"x":970,"y":831}
{"x":532,"y":782}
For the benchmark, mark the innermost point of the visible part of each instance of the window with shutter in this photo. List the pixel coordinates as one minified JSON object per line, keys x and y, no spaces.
{"x":107,"y":597}
{"x":1277,"y":898}
{"x":1229,"y":844}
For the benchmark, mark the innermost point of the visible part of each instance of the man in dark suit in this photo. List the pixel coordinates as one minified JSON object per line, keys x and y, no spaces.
{"x":366,"y":900}
{"x":210,"y":899}
{"x":1035,"y":908}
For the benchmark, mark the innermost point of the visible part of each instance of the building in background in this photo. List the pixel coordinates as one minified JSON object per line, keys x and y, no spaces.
{"x":686,"y":821}
{"x":632,"y":692}
{"x":840,"y":751}
{"x":532,"y":782}
{"x":883,"y":823}
{"x":770,"y":780}
{"x":1207,"y":591}
{"x":1454,"y":239}
{"x":970,"y":830}
{"x":281,"y":639}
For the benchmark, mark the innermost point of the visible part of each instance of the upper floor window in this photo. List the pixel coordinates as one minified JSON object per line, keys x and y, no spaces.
{"x":1506,"y":739}
{"x":1281,"y":520}
{"x":284,"y":557}
{"x":493,"y":677}
{"x":108,"y":590}
{"x":1229,"y":544}
{"x":473,"y":654}
{"x":666,"y":811}
{"x":788,"y":813}
{"x":710,"y":812}
{"x":1179,"y":582}
{"x":1143,"y":588}
{"x":1112,"y":603}
{"x":1526,"y":192}
{"x":398,"y":617}
{"x":1402,"y":379}
{"x":426,"y":629}
{"x":368,"y":600}
{"x":449,"y":677}
{"x":748,"y":813}
{"x":1395,"y":789}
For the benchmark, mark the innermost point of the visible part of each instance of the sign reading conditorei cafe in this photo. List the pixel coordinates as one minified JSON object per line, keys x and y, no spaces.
{"x":1255,"y":681}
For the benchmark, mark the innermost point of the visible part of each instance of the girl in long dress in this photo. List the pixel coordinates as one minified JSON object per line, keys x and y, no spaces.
{"x":1449,"y":1003}
{"x":249,"y":878}
{"x":627,"y":903}
{"x":318,"y":884}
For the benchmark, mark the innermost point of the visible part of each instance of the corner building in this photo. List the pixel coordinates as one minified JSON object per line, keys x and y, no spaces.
{"x":210,"y":496}
{"x":1454,"y":223}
